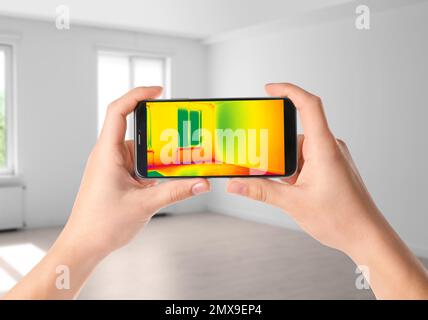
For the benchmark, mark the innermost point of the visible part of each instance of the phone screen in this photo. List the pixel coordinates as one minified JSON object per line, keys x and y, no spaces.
{"x":214,"y":138}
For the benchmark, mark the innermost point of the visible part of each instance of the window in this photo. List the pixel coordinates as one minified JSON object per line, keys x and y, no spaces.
{"x":188,"y":122}
{"x":6,"y":147}
{"x":118,"y":72}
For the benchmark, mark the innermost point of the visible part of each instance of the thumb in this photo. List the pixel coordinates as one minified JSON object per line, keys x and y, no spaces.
{"x":173,"y":191}
{"x":261,"y":189}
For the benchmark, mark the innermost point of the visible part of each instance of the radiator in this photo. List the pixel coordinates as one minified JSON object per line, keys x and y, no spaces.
{"x":11,"y":207}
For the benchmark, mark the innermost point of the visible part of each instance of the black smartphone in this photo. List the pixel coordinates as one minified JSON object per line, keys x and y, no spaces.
{"x":236,"y":137}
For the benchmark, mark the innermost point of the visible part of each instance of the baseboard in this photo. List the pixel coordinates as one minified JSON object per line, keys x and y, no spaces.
{"x":238,"y":213}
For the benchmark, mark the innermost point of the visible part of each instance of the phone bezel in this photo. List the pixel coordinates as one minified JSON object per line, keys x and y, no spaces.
{"x":290,"y":138}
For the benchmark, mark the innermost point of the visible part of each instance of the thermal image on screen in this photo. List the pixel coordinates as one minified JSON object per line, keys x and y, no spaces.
{"x":215,"y":138}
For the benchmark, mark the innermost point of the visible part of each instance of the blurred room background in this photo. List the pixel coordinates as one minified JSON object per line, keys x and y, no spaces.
{"x":56,"y":81}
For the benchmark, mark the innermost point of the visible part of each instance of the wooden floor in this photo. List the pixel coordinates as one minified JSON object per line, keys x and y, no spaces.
{"x":205,"y":256}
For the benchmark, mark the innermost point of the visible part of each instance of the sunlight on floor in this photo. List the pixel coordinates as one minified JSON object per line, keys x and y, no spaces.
{"x":16,"y":261}
{"x":6,"y":281}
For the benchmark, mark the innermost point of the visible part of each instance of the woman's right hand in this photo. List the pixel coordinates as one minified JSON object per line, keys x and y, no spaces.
{"x":328,"y":199}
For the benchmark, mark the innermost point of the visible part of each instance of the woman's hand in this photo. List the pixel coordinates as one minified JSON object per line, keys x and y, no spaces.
{"x":329,"y":200}
{"x":326,"y":196}
{"x":112,"y":204}
{"x":111,"y":207}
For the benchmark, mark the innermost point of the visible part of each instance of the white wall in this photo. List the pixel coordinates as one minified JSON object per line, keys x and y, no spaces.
{"x":374,"y":86}
{"x":57,"y":104}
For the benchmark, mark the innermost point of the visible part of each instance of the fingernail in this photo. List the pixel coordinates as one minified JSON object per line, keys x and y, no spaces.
{"x":237,"y":188}
{"x":199,"y":188}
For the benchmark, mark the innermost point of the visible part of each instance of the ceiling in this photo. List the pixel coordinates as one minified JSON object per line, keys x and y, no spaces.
{"x":190,"y":18}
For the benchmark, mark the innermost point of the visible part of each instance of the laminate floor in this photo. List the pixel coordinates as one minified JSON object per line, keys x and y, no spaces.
{"x":201,"y":256}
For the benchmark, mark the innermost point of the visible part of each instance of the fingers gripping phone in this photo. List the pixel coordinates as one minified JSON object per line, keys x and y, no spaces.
{"x":237,"y":137}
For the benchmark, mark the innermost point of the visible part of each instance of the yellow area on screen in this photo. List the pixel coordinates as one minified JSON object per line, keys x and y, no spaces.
{"x":215,"y":138}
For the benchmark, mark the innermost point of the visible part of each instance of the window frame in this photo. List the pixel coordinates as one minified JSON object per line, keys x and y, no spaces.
{"x":10,"y":109}
{"x":132,"y":55}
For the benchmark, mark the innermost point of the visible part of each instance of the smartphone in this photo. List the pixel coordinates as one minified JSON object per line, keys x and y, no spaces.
{"x":235,"y":137}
